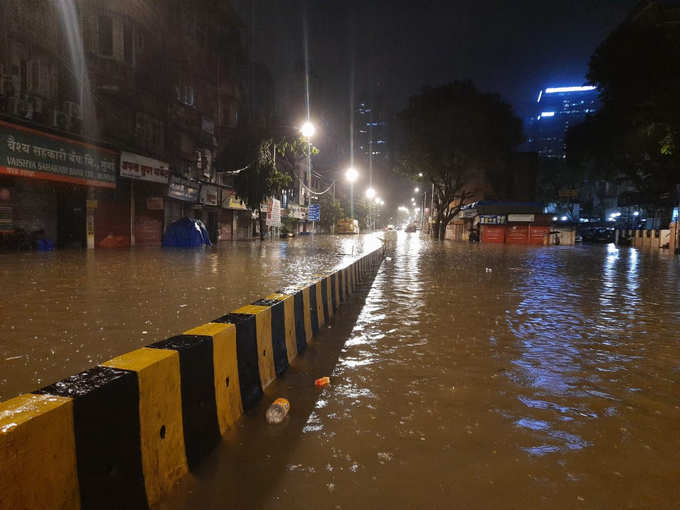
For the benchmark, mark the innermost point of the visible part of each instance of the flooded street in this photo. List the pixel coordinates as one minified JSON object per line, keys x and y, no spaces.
{"x":64,"y":311}
{"x":475,"y":377}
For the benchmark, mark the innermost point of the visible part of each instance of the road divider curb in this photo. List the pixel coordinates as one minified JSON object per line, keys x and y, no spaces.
{"x":121,"y":434}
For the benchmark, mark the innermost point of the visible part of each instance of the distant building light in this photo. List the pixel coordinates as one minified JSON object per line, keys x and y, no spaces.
{"x":547,"y":114}
{"x":636,"y":213}
{"x":554,"y":218}
{"x":563,"y":218}
{"x":540,"y":95}
{"x":557,"y":90}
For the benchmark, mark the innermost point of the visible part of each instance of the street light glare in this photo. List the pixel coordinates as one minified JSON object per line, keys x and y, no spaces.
{"x":308,"y":129}
{"x":417,"y":190}
{"x":420,"y":174}
{"x":370,"y":193}
{"x":351,"y":174}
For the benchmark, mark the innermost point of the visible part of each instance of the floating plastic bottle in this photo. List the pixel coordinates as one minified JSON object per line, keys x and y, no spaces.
{"x":277,"y":411}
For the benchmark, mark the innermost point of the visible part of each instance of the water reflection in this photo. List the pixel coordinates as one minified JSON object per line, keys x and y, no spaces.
{"x":474,"y":371}
{"x":69,"y":310}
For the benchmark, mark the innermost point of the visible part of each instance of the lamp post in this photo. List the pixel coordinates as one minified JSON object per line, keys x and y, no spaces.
{"x":370,"y":195}
{"x":308,"y":130}
{"x":351,"y":175}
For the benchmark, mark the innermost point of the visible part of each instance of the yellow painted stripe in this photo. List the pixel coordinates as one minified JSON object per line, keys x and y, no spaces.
{"x":225,"y":363}
{"x":38,"y":453}
{"x":319,"y":305}
{"x":289,"y":319}
{"x":160,"y":417}
{"x":265,"y":345}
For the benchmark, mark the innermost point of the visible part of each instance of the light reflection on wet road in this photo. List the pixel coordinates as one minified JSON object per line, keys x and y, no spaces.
{"x":64,"y":311}
{"x":476,"y":377}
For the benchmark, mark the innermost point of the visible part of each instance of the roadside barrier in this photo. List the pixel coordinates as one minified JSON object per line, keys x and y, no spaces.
{"x":121,"y":434}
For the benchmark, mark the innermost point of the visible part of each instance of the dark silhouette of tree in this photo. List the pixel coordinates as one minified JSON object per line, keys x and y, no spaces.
{"x":454,"y":135}
{"x":636,"y":134}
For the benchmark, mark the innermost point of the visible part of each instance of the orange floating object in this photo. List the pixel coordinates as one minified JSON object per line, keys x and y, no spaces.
{"x":322,"y":381}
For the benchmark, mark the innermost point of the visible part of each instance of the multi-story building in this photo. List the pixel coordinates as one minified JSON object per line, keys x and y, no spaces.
{"x":557,"y":109}
{"x":119,"y":110}
{"x":371,"y":139}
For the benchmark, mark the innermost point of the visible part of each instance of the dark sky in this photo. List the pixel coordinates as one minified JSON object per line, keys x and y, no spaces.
{"x":510,"y":47}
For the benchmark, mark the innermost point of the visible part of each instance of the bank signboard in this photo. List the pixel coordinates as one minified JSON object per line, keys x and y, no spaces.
{"x":141,"y":168}
{"x":182,"y":189}
{"x":26,"y":152}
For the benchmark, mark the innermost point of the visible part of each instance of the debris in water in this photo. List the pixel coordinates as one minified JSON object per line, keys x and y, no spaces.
{"x":277,"y":411}
{"x":11,"y":358}
{"x":489,"y":270}
{"x":322,"y":381}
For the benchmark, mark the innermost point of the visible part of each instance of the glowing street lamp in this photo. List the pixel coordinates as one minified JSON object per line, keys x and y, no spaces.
{"x":308,"y":129}
{"x":420,"y":174}
{"x":416,"y":190}
{"x":351,"y":175}
{"x":370,"y":193}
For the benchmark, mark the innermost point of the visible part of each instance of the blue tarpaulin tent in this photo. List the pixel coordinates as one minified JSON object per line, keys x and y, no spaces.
{"x":186,"y":233}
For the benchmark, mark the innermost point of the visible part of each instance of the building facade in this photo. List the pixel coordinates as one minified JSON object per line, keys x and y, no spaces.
{"x":119,"y":110}
{"x":557,"y":109}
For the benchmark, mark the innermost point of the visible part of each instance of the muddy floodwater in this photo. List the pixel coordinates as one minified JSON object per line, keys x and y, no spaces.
{"x":64,"y":311}
{"x":475,"y":377}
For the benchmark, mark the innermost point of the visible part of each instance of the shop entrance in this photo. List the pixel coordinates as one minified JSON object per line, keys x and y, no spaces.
{"x":71,"y":218}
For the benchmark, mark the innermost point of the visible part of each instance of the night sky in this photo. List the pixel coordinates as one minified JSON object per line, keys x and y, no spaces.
{"x":513,"y":48}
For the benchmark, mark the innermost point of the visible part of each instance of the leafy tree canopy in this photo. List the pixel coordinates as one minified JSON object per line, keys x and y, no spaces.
{"x":454,"y":135}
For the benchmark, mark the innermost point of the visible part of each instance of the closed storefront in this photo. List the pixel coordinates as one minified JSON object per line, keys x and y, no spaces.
{"x":51,"y":185}
{"x":494,"y":234}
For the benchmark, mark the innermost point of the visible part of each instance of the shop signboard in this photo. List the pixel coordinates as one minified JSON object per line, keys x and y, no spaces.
{"x":210,"y":195}
{"x":468,"y":213}
{"x":230,"y":201}
{"x":26,"y":152}
{"x":134,"y":166}
{"x":155,"y":204}
{"x":297,"y":212}
{"x":521,"y":218}
{"x":274,"y":213}
{"x":314,"y":212}
{"x":182,"y":189}
{"x":495,"y":219}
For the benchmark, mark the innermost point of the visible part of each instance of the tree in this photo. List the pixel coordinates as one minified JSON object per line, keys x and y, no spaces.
{"x":454,"y":135}
{"x":331,"y":211}
{"x":269,"y":169}
{"x":636,"y":134}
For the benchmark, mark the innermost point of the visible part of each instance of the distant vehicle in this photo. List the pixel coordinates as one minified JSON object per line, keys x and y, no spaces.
{"x":347,"y":226}
{"x":388,"y":228}
{"x":411,"y":227}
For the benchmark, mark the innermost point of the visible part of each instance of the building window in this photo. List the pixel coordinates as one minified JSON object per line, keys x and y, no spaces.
{"x":149,"y":132}
{"x":128,"y":49}
{"x":105,"y":26}
{"x":186,"y":94}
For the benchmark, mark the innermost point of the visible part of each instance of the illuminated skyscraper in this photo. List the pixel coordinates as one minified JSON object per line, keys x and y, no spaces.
{"x":558,"y":108}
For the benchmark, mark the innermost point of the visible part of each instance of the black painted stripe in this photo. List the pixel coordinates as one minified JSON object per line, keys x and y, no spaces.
{"x":107,"y":436}
{"x":334,"y":284}
{"x":300,"y":331}
{"x":199,"y":407}
{"x":341,"y":285}
{"x":246,"y":352}
{"x":313,"y":310}
{"x":324,"y":299}
{"x":278,"y":334}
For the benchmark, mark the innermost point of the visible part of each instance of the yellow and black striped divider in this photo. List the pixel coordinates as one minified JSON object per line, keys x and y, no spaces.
{"x":120,"y":435}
